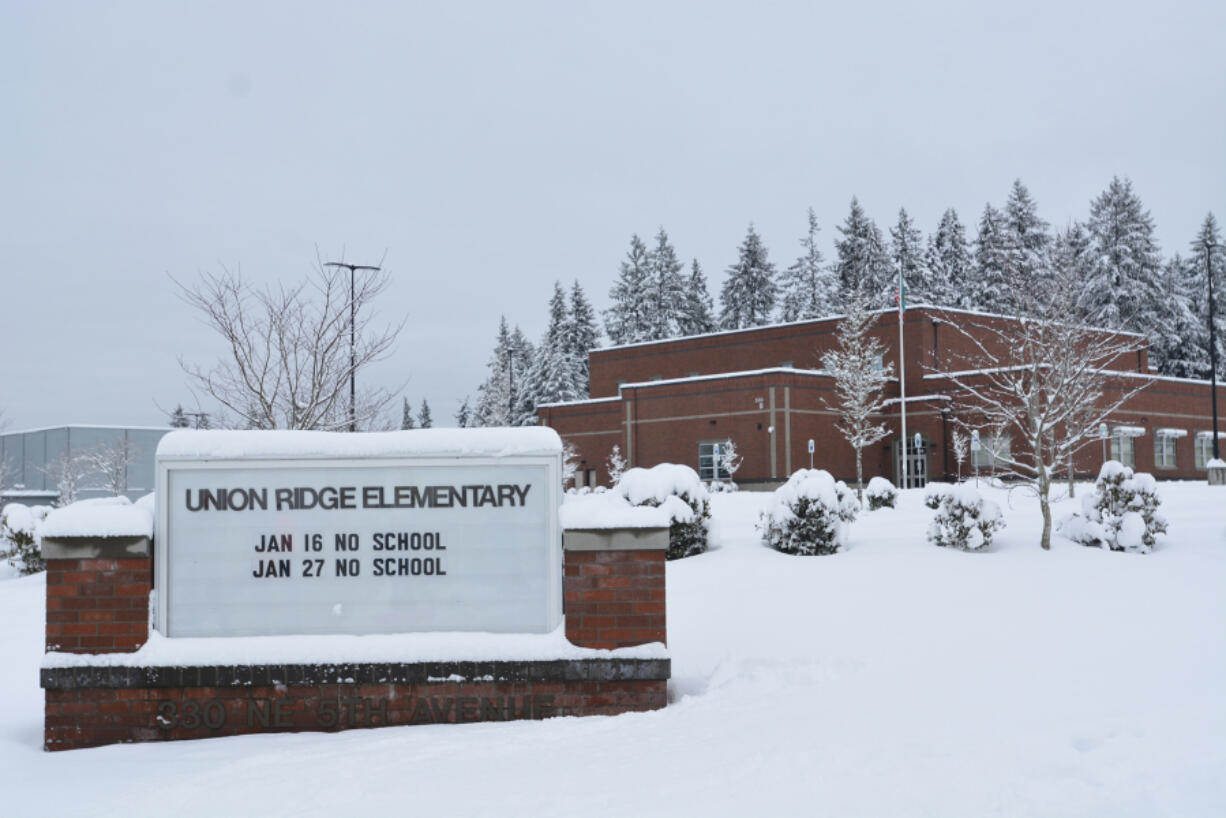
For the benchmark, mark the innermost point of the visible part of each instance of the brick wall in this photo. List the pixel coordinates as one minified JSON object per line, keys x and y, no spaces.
{"x":98,"y":605}
{"x":614,"y":599}
{"x":89,"y":707}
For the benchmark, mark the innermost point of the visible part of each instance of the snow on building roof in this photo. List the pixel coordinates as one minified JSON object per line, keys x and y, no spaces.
{"x":579,"y":402}
{"x":112,"y":427}
{"x":744,"y":373}
{"x":914,"y":399}
{"x":487,"y":442}
{"x":834,"y":317}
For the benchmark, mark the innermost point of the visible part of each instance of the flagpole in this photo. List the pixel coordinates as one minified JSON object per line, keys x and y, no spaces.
{"x":902,"y":383}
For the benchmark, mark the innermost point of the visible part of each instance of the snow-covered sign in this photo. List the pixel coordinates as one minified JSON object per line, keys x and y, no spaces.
{"x":314,"y":532}
{"x":974,"y":440}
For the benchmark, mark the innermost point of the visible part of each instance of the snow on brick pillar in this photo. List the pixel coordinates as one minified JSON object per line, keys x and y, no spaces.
{"x":613,"y":584}
{"x":98,"y":593}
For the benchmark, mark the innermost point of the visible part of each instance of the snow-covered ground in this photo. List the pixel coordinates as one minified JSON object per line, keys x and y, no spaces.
{"x":894,"y":679}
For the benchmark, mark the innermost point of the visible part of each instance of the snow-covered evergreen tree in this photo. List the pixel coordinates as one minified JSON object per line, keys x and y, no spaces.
{"x":907,"y":255}
{"x":748,"y":295}
{"x":582,"y":334}
{"x":626,"y":320}
{"x":862,"y":263}
{"x":178,"y":418}
{"x":464,"y":415}
{"x":698,"y":312}
{"x":664,"y":291}
{"x":554,"y":374}
{"x":406,"y":418}
{"x":988,"y":288}
{"x":1178,"y":346}
{"x":423,"y":417}
{"x":949,"y":262}
{"x":500,"y":399}
{"x":1026,"y":237}
{"x":807,"y":287}
{"x":1208,"y":245}
{"x":1122,"y":288}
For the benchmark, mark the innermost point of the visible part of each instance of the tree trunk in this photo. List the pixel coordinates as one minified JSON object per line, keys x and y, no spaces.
{"x":1072,"y":485}
{"x":860,"y":475}
{"x":1045,"y":506}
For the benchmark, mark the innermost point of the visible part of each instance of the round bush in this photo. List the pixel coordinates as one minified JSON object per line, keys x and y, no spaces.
{"x":1121,"y":514}
{"x":19,"y":539}
{"x":881,"y":494}
{"x":964,"y":520}
{"x":809,"y":514}
{"x":678,"y":491}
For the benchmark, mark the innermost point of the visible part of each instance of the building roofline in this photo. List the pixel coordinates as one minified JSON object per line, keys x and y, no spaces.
{"x":833,"y":317}
{"x":744,"y":373}
{"x":1122,"y":373}
{"x":86,"y":426}
{"x":577,"y":402}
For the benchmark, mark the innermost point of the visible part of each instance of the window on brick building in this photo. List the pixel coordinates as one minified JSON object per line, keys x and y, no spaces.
{"x":1204,"y":449}
{"x":709,"y":467}
{"x":1123,"y":450}
{"x":1164,"y":447}
{"x":992,"y":449}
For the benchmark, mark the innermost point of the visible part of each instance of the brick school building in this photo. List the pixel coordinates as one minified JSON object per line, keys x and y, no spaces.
{"x":763,"y":389}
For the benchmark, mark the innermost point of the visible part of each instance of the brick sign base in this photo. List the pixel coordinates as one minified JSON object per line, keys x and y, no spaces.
{"x":98,"y":601}
{"x":92,"y":706}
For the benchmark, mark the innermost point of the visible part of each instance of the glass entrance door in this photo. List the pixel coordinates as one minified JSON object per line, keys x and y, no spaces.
{"x":917,"y":465}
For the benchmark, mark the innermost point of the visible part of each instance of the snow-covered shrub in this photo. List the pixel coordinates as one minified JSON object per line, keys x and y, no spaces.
{"x":678,"y":490}
{"x":722,"y":487}
{"x":1121,"y":514}
{"x":881,"y":494}
{"x":19,"y":539}
{"x":963,"y":520}
{"x":809,"y":514}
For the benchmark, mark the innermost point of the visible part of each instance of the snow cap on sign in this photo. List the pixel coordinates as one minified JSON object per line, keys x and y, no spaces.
{"x":483,"y":442}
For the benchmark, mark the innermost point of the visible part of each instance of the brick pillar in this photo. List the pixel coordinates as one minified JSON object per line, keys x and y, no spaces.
{"x":613,"y":586}
{"x":98,"y":593}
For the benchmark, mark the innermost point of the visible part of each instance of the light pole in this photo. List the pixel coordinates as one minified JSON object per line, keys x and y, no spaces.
{"x":1212,"y":342}
{"x":353,"y":359}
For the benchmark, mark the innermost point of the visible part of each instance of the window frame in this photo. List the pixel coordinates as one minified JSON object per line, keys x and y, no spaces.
{"x":713,"y":470}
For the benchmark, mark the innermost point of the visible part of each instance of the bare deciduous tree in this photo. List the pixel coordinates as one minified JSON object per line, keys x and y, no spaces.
{"x":111,"y":461}
{"x":1044,"y":381}
{"x":288,"y":363}
{"x":960,"y":444}
{"x":68,"y":471}
{"x":859,"y":376}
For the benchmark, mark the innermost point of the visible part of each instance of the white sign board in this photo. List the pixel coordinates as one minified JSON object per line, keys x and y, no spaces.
{"x":810,"y":446}
{"x":356,"y":546}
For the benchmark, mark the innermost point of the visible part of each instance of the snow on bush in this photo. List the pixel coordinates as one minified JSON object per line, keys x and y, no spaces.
{"x":1121,"y":514}
{"x":680,"y":493}
{"x":19,"y":537}
{"x":881,"y":494}
{"x":809,"y":514}
{"x":963,"y":520}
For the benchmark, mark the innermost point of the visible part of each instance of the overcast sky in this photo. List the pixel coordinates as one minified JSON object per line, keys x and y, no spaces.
{"x":491,"y":148}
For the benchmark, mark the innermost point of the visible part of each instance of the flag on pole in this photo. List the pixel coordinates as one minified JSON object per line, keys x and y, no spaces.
{"x":900,"y":293}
